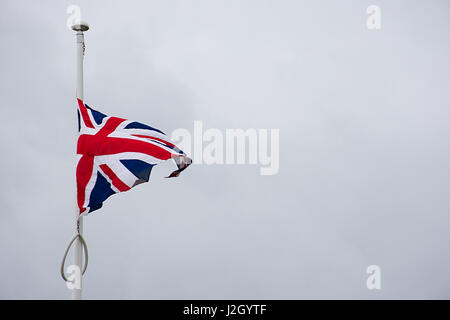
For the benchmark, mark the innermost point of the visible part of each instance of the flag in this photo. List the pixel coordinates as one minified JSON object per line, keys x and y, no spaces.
{"x":115,"y":154}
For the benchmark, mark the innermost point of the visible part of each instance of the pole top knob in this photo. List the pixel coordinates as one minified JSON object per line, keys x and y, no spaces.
{"x":80,"y":26}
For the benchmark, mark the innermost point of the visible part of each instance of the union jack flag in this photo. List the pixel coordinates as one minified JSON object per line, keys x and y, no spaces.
{"x":115,"y":154}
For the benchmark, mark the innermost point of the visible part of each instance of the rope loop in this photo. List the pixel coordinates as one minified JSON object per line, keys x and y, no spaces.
{"x":67,"y":251}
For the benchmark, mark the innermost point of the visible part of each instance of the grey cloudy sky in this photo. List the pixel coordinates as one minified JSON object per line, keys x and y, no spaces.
{"x":364,"y":148}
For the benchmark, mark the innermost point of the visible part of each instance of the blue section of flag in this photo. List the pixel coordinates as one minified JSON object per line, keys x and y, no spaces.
{"x":138,"y":125}
{"x":167,"y":146}
{"x":98,"y":116}
{"x":139,"y":168}
{"x":95,"y":207}
{"x":101,"y":191}
{"x":79,"y":121}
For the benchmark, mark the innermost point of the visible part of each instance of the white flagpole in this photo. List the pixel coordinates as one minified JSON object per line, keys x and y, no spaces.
{"x":78,"y":248}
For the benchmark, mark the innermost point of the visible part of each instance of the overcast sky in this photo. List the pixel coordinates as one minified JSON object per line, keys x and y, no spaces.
{"x":364,"y":148}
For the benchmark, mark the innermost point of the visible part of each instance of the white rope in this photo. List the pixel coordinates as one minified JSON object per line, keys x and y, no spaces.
{"x":67,"y":251}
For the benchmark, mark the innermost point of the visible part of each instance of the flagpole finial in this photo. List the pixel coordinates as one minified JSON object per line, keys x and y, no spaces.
{"x":80,"y":26}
